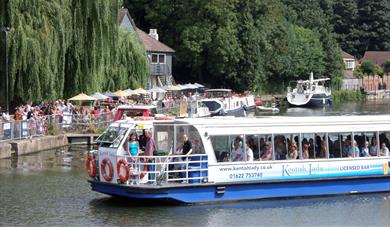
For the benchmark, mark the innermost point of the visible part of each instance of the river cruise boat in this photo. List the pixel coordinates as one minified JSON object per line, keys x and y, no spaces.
{"x":310,"y":93}
{"x":223,"y":102}
{"x":229,"y":159}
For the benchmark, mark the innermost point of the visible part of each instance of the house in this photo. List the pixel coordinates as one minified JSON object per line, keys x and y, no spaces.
{"x":159,"y":54}
{"x":376,"y":57}
{"x":349,"y":64}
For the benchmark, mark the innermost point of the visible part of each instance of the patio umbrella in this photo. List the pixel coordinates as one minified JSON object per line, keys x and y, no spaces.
{"x":172,"y":88}
{"x":140,"y":91}
{"x":82,"y":97}
{"x":157,"y":89}
{"x":121,"y":93}
{"x":109,"y":94}
{"x":99,"y":96}
{"x":198,"y":85}
{"x":190,"y":86}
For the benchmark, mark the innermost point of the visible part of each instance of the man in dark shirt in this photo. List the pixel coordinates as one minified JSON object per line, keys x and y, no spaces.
{"x":149,"y":150}
{"x":187,"y":146}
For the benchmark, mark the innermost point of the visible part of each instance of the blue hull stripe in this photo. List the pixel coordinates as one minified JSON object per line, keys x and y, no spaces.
{"x":201,"y":194}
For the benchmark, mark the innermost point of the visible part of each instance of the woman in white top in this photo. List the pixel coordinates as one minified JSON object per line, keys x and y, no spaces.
{"x":249,"y":153}
{"x":384,"y":150}
{"x":237,"y":152}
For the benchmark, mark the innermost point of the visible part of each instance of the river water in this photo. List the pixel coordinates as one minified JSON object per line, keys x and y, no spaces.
{"x":50,"y":188}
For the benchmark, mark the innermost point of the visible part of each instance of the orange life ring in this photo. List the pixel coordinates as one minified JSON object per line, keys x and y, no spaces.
{"x":122,"y":178}
{"x":91,"y":170}
{"x":105,"y":162}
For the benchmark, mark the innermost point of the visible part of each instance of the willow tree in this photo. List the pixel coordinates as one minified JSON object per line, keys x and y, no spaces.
{"x":58,"y":48}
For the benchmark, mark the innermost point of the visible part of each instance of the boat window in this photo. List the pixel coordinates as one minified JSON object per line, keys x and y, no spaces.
{"x":280,"y":147}
{"x":188,"y":140}
{"x":384,"y":143}
{"x":252,"y":148}
{"x":112,"y":136}
{"x":266,"y":148}
{"x":363,"y":142}
{"x":163,"y":138}
{"x":293,"y":146}
{"x":315,"y":145}
{"x":221,"y":146}
{"x":321,"y":146}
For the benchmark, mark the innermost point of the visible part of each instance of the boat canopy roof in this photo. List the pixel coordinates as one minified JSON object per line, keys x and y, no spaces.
{"x":283,"y":125}
{"x":219,"y":90}
{"x":312,"y":81}
{"x":136,"y":107}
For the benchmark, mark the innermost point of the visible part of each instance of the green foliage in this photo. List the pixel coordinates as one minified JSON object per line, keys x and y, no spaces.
{"x":362,"y":25}
{"x":342,"y":96}
{"x":254,"y":45}
{"x":58,"y":48}
{"x":369,"y":68}
{"x":386,"y":67}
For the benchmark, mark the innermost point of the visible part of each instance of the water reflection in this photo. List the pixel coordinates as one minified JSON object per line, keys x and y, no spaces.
{"x":347,"y":108}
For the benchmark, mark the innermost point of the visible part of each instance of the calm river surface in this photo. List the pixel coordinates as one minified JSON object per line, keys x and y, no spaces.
{"x":49,"y":188}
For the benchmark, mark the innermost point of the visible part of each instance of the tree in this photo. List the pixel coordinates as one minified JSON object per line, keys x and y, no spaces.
{"x":374,"y":22}
{"x":369,"y":68}
{"x":386,"y":67}
{"x":345,"y":22}
{"x":59,"y":48}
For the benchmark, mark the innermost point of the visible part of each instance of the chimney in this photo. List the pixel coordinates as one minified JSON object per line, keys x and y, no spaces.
{"x":153,"y":34}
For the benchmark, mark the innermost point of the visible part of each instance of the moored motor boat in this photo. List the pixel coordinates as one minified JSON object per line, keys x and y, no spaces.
{"x":310,"y":93}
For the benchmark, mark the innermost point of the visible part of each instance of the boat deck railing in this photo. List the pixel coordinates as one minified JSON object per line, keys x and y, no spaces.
{"x":167,"y":169}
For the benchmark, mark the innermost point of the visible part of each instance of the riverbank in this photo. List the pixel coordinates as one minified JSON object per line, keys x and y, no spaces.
{"x":28,"y":146}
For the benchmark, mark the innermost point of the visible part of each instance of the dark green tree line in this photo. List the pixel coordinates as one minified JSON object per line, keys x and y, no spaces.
{"x":58,"y":48}
{"x":246,"y":45}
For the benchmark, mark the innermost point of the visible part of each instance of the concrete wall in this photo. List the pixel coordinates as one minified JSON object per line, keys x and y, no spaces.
{"x":27,"y":146}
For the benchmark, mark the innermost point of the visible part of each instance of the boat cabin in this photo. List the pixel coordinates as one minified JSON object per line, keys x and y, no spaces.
{"x":135,"y":111}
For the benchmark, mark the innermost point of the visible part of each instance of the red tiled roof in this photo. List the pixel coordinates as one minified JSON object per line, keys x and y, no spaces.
{"x":151,"y":44}
{"x":346,"y":55}
{"x":376,"y":57}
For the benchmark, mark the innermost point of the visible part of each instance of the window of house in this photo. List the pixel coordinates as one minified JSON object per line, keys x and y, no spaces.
{"x":349,"y":64}
{"x":158,"y":58}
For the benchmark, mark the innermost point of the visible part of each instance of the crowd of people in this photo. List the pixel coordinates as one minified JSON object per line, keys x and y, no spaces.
{"x":32,"y":120}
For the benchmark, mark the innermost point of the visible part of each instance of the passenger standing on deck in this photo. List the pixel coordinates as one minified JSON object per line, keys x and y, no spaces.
{"x":149,"y":151}
{"x":133,"y":149}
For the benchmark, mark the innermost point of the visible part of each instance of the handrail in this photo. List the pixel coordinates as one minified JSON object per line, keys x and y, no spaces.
{"x":166,"y":169}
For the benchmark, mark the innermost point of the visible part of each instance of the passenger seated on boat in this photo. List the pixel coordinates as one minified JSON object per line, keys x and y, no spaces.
{"x":373,"y":148}
{"x":293,"y":153}
{"x":305,"y":150}
{"x":365,"y":151}
{"x":280,"y":148}
{"x":249,"y":153}
{"x":384,"y":150}
{"x":350,"y":151}
{"x":223,"y":157}
{"x":237,"y":152}
{"x":268,"y":153}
